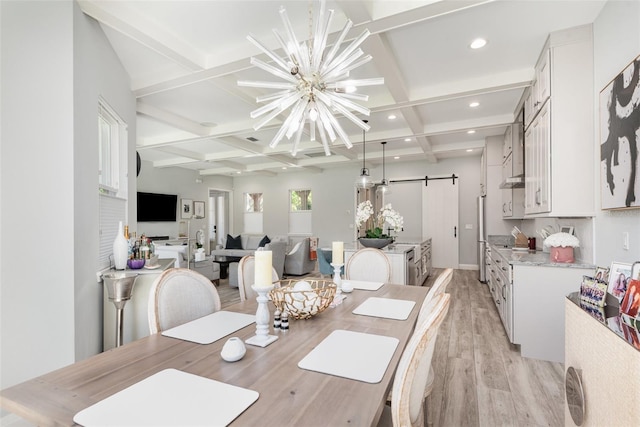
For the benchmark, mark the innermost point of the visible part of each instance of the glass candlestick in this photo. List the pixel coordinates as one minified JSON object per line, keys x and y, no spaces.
{"x":262,"y":337}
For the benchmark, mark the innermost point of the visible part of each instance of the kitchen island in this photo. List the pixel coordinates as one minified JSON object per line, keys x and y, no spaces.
{"x":529,"y":293}
{"x":402,"y":260}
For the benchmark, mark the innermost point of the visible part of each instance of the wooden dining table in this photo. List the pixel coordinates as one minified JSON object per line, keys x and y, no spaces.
{"x":288,"y":395}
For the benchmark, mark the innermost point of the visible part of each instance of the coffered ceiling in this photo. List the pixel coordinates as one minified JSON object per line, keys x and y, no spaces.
{"x":185,"y":58}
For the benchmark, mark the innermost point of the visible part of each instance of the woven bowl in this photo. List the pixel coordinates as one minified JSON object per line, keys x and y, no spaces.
{"x":303,"y":303}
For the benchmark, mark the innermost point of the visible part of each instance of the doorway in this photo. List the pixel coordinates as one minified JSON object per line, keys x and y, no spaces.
{"x":440,"y":220}
{"x":219,"y":216}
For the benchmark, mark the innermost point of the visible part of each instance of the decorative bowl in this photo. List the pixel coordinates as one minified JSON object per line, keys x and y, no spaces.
{"x":303,"y":299}
{"x":135,"y":263}
{"x":374,"y":243}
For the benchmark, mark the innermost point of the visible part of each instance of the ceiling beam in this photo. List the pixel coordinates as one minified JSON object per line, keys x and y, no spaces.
{"x":172,"y":119}
{"x":124,"y":20}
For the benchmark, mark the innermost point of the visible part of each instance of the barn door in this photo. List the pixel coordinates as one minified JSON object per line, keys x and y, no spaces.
{"x":440,"y":220}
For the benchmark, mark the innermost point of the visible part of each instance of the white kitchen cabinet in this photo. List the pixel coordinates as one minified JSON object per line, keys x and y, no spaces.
{"x":538,"y":308}
{"x":512,"y":198}
{"x":559,"y":177}
{"x":537,"y":162}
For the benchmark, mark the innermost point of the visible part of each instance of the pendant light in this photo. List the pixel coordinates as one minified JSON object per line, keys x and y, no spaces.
{"x":364,"y":181}
{"x":384,"y":187}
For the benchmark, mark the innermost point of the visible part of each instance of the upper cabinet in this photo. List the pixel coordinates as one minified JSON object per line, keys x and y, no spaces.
{"x":559,"y":141}
{"x":512,"y":171}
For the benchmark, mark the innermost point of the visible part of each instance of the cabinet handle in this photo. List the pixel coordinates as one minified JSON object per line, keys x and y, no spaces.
{"x":538,"y":196}
{"x":455,"y":231}
{"x":502,"y":291}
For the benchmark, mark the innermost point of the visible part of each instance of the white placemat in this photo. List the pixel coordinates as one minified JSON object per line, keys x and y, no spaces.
{"x":212,"y":327}
{"x":366,"y":286}
{"x":353,"y":355}
{"x":170,"y":398}
{"x":388,"y":308}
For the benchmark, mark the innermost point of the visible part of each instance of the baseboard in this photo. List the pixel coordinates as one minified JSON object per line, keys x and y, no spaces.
{"x":468,"y":267}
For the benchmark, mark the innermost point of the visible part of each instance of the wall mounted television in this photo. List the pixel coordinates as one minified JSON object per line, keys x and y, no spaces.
{"x":154,"y":207}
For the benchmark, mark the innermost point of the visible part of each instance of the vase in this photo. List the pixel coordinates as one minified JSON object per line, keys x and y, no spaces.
{"x":375,"y":243}
{"x":120,"y":249}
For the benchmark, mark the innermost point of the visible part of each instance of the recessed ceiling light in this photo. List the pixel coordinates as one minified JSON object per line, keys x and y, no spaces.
{"x":478,"y":43}
{"x":471,"y":131}
{"x":284,"y":168}
{"x":391,"y":117}
{"x":469,"y":150}
{"x":396,"y":157}
{"x":407,"y":140}
{"x":474,"y":104}
{"x":238,"y":172}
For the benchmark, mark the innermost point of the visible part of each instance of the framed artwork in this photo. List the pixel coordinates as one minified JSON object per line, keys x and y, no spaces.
{"x":619,"y":275}
{"x":186,"y":208}
{"x":198,"y":209}
{"x":602,"y":274}
{"x":620,"y":140}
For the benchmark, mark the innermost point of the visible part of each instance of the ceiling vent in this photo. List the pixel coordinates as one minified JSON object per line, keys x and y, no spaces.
{"x":252,"y":139}
{"x":318,"y":154}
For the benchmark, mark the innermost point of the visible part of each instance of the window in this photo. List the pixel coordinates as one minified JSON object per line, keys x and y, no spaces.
{"x":300,"y":200}
{"x":300,"y":212}
{"x":112,"y":141}
{"x":253,"y":202}
{"x":112,"y":181}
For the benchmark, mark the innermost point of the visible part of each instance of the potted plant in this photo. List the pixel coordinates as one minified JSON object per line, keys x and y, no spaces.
{"x":374,"y":235}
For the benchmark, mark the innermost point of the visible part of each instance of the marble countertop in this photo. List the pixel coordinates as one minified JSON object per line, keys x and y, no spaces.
{"x":164,"y":263}
{"x":539,"y":258}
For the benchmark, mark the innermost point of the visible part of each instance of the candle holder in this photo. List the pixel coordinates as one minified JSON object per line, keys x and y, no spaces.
{"x":337,"y":279}
{"x":262,"y":337}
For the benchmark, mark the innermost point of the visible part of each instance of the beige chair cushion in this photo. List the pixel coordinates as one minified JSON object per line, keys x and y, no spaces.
{"x":369,"y":264}
{"x":179,"y":296}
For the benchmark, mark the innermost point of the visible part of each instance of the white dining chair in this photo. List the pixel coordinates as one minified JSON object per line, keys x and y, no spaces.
{"x":246,"y":277}
{"x":369,"y":264}
{"x":439,"y":287}
{"x":407,"y":402}
{"x":179,"y":296}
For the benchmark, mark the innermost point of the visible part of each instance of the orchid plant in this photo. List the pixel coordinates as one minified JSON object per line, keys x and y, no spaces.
{"x":375,"y":223}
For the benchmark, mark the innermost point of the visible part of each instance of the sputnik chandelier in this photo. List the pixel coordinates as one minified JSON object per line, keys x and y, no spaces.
{"x":315,"y":83}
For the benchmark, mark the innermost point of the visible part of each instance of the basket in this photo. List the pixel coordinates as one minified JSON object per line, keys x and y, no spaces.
{"x":303,"y":303}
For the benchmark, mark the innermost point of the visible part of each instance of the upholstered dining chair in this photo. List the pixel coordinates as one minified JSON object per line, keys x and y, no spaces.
{"x":439,"y":287}
{"x":246,"y":277}
{"x":179,"y":296}
{"x":324,"y":262}
{"x":369,"y":264}
{"x":407,"y":402}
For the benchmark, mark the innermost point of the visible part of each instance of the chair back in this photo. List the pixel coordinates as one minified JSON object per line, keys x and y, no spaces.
{"x":179,"y":296}
{"x":439,"y":287}
{"x":246,"y":277}
{"x":369,"y":264}
{"x":413,"y":369}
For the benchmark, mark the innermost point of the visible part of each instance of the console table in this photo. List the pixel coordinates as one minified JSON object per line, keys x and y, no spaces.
{"x":136,"y":323}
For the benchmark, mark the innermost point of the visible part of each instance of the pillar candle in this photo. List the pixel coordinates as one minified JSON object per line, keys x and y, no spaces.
{"x":337,"y":256}
{"x":262,"y":274}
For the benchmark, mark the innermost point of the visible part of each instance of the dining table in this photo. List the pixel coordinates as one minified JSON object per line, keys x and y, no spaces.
{"x":288,"y":394}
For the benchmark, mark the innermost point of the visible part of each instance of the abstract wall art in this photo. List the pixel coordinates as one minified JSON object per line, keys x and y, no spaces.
{"x":620,"y":139}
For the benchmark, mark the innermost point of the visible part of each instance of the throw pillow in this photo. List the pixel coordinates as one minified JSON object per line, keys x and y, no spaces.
{"x":233,"y":242}
{"x":264,"y":241}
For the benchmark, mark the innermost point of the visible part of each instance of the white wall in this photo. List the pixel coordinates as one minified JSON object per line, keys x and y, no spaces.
{"x":37,"y":304}
{"x":55,"y":63}
{"x":616,"y":44}
{"x":178,"y":181}
{"x":334,"y":198}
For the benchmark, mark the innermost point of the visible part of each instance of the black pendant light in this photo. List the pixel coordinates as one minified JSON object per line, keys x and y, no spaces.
{"x":364,"y":180}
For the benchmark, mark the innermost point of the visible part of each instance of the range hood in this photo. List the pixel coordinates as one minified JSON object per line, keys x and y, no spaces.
{"x":513,"y":182}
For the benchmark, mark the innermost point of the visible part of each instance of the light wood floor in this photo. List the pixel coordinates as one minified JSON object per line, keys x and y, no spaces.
{"x":481,"y":379}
